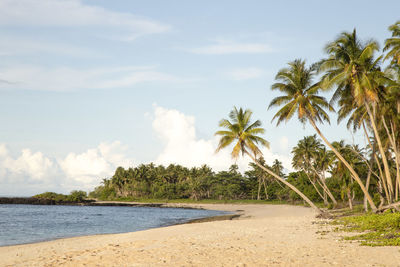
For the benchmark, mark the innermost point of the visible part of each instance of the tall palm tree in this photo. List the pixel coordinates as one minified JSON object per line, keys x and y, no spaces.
{"x":245,"y":134}
{"x":392,"y":45}
{"x":301,"y":97}
{"x":351,"y":66}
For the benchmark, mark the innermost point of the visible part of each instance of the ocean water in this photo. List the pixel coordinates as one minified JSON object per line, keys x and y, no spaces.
{"x":21,"y":224}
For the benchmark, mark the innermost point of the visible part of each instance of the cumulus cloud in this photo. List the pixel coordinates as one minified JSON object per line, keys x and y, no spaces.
{"x":182,"y":146}
{"x":34,"y":165}
{"x":33,"y":172}
{"x":75,"y":13}
{"x":223,"y":47}
{"x":65,"y":78}
{"x":87,"y":169}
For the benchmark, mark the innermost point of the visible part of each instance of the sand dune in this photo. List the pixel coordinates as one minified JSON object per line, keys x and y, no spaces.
{"x":266,"y":235}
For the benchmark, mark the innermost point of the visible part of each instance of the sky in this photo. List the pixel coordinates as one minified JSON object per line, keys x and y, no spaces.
{"x":90,"y":85}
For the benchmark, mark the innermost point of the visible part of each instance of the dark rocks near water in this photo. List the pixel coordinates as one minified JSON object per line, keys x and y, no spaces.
{"x":39,"y":201}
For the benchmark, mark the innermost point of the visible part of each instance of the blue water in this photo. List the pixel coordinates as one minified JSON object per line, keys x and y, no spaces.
{"x":21,"y":224}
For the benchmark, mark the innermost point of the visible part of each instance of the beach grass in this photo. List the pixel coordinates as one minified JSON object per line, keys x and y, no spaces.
{"x":371,"y":229}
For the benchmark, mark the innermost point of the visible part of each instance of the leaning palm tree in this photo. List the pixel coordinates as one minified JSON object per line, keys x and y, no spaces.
{"x":245,"y":134}
{"x":301,"y":97}
{"x":351,"y":66}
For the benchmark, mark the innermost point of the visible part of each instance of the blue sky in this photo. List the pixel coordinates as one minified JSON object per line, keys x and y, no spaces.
{"x":86,"y":86}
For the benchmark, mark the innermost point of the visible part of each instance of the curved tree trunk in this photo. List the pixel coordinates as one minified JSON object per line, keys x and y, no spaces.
{"x":370,"y":167}
{"x":375,"y":157}
{"x":259,"y":188}
{"x":383,"y":155}
{"x":352,"y":171}
{"x":325,"y":187}
{"x":392,"y":140}
{"x":325,"y":196}
{"x":349,"y":198}
{"x":328,"y":191}
{"x":265,"y":189}
{"x":381,"y":177}
{"x":306,"y":199}
{"x":315,"y":187}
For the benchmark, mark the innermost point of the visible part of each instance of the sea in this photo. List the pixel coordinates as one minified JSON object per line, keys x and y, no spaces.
{"x":21,"y":224}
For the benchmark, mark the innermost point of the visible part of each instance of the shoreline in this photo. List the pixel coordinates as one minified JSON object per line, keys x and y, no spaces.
{"x":264,"y":235}
{"x":231,"y":216}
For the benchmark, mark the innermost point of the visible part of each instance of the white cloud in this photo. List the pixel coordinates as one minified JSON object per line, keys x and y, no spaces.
{"x":88,"y":168}
{"x":246,"y":74}
{"x":284,"y":143}
{"x":182,"y":146}
{"x":74,"y":13}
{"x":32,"y":173}
{"x":34,"y":165}
{"x":223,"y":47}
{"x":65,"y":79}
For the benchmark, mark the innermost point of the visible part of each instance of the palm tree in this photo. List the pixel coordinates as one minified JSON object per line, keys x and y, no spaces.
{"x":392,"y":45}
{"x":261,"y":176}
{"x":352,"y":68}
{"x":301,"y":97}
{"x":245,"y":134}
{"x":353,"y":154}
{"x":303,"y":155}
{"x":310,"y":155}
{"x":321,"y":165}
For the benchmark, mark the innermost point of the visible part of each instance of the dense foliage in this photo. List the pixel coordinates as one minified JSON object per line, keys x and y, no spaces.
{"x":177,"y":182}
{"x":74,"y":196}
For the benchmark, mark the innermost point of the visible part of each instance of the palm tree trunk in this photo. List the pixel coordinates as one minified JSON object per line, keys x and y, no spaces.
{"x":325,"y":187}
{"x":315,"y":187}
{"x":381,"y":177}
{"x":392,"y":141}
{"x":370,"y":164}
{"x":367,"y":186}
{"x":306,"y":199}
{"x":265,"y":189}
{"x":349,"y":198}
{"x":383,"y":155}
{"x":259,"y":188}
{"x":325,"y":196}
{"x":352,"y":171}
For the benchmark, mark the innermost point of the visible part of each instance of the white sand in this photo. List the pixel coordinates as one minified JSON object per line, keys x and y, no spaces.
{"x":267,"y":235}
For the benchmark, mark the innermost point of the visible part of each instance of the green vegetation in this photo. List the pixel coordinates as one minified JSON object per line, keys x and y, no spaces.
{"x":175,"y":182}
{"x":376,"y":229}
{"x":74,"y":196}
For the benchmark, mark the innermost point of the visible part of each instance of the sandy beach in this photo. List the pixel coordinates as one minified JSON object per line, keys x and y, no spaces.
{"x":265,"y":235}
